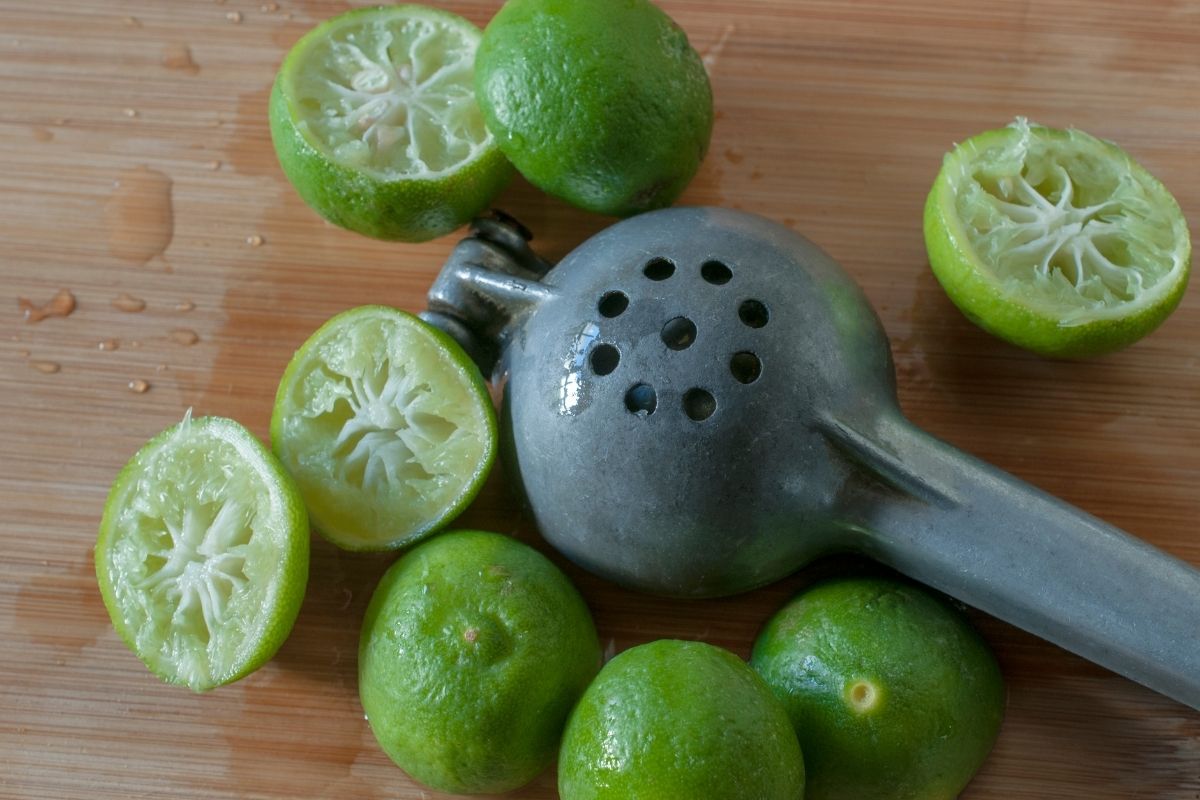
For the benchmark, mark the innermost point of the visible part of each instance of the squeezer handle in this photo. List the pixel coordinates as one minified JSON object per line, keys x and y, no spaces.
{"x":1007,"y":548}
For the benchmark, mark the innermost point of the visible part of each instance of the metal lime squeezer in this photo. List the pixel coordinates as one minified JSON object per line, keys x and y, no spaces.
{"x":698,"y":401}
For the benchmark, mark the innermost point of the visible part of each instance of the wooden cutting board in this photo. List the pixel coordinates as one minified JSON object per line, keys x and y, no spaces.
{"x":137,"y":172}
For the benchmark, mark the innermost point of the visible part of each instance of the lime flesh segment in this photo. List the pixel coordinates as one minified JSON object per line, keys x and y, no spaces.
{"x":387,"y":427}
{"x":375,"y":123}
{"x":202,"y":557}
{"x":1055,"y":240}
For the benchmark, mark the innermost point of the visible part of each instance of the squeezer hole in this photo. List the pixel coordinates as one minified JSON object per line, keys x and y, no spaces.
{"x":679,"y":333}
{"x":605,"y":358}
{"x":698,"y":404}
{"x":659,"y":269}
{"x":753,"y":313}
{"x":641,"y":399}
{"x":716,"y":272}
{"x":745,"y":367}
{"x":613,"y":304}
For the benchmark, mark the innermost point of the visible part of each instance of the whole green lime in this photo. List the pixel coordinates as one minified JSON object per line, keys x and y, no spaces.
{"x":1055,"y":240}
{"x":374,"y":120}
{"x":675,"y":720}
{"x":893,"y":694}
{"x":602,"y":103}
{"x":473,"y":651}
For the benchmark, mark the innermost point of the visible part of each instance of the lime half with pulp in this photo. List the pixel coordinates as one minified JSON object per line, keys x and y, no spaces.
{"x":1055,"y":240}
{"x":202,"y":557}
{"x":375,"y":123}
{"x":387,"y":427}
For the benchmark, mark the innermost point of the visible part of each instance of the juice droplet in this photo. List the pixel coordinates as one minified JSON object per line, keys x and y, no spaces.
{"x":139,"y":215}
{"x":186,"y":305}
{"x":179,"y":56}
{"x":161,"y":368}
{"x":45,"y":367}
{"x":107,"y":344}
{"x":268,"y":8}
{"x":183,"y":336}
{"x":233,"y":16}
{"x":127,"y":302}
{"x":61,"y":305}
{"x":255,"y":240}
{"x":43,"y":134}
{"x":213,"y":165}
{"x":139,"y":386}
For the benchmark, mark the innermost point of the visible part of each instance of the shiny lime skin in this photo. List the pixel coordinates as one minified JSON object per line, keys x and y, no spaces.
{"x":673,"y":720}
{"x":473,"y":651}
{"x":893,"y":694}
{"x":602,"y":103}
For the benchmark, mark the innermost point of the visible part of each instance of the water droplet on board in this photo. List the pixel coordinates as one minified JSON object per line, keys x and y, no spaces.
{"x":107,"y":344}
{"x":233,"y":16}
{"x":268,"y":8}
{"x":127,"y":302}
{"x":43,"y":134}
{"x":186,"y":305}
{"x":183,"y":336}
{"x":46,"y":367}
{"x":61,"y":305}
{"x":129,"y":112}
{"x":139,"y":386}
{"x":255,"y":240}
{"x":139,"y":215}
{"x":179,"y":57}
{"x":213,"y":165}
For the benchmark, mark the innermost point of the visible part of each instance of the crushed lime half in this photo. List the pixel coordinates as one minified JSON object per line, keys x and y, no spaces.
{"x":1055,"y":240}
{"x":375,"y":123}
{"x":387,"y":427}
{"x":202,"y":557}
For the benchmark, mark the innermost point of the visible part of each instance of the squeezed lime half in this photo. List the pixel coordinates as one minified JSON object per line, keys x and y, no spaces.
{"x":375,"y":123}
{"x":387,"y":427}
{"x":1055,"y":240}
{"x":202,"y":557}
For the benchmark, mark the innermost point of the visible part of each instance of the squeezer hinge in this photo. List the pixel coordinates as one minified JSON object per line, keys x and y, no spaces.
{"x":491,"y":277}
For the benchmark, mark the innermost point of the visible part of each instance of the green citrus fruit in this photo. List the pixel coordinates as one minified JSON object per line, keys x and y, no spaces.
{"x":387,"y":427}
{"x":893,"y":695}
{"x":375,"y":123}
{"x":601,"y":103}
{"x":202,"y":557}
{"x":474,"y":649}
{"x":675,"y":720}
{"x":1055,"y":240}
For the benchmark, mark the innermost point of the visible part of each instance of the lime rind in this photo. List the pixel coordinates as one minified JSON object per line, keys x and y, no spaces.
{"x":387,"y":427}
{"x":388,"y":91}
{"x":202,"y":556}
{"x":1065,"y":223}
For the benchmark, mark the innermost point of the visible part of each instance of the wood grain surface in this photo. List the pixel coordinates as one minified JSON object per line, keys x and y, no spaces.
{"x":136,"y":169}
